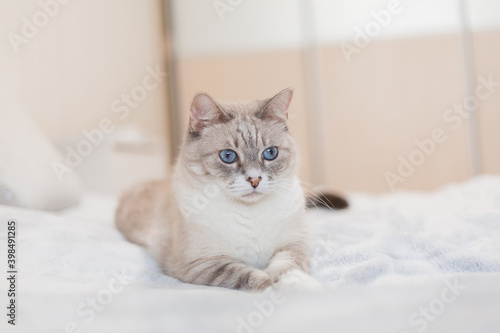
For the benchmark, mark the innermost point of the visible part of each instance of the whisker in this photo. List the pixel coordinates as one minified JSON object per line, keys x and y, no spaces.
{"x":311,"y":196}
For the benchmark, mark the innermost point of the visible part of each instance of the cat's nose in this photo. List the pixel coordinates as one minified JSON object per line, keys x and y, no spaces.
{"x":254,"y":181}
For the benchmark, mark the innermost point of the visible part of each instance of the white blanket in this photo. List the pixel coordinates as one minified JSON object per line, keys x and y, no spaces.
{"x":400,"y":262}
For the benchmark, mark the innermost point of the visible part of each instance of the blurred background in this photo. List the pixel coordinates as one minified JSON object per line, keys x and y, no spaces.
{"x":388,"y":94}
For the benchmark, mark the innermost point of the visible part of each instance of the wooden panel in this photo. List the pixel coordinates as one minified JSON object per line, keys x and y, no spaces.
{"x":394,"y":93}
{"x":487,"y":62}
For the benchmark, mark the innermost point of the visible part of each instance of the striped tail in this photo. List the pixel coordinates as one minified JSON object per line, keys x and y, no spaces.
{"x":326,"y":200}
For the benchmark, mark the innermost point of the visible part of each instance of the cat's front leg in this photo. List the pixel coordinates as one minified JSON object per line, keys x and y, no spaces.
{"x":224,"y":271}
{"x":289,"y":269}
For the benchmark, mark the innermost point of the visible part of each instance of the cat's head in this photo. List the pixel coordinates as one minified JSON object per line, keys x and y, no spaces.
{"x":244,"y":149}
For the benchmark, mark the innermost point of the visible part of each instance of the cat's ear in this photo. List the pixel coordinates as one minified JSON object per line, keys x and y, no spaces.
{"x":277,"y":107}
{"x":205,"y":112}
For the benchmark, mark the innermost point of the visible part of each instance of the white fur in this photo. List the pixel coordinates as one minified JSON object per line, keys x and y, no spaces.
{"x":211,"y":217}
{"x":248,"y":232}
{"x":296,"y":280}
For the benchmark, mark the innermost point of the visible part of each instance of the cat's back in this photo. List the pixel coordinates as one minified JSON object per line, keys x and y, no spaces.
{"x":141,"y":208}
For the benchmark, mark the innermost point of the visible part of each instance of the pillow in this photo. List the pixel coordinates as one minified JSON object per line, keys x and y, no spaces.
{"x":27,"y":178}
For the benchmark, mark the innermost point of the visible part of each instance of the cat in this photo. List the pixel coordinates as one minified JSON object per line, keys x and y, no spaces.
{"x":232,"y":213}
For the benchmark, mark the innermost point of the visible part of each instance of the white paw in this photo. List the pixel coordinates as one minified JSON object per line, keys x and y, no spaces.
{"x":297,"y":280}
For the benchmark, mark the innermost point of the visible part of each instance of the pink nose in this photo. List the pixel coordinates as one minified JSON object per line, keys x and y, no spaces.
{"x":254,"y":181}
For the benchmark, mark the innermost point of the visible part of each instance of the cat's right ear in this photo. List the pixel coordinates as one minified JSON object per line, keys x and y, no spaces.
{"x":277,"y":107}
{"x":205,"y":112}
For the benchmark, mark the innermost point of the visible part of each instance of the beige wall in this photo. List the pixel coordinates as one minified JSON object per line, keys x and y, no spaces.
{"x":395,"y":91}
{"x":247,"y":77}
{"x":376,"y":107}
{"x":393,"y":94}
{"x":486,"y":62}
{"x":81,"y":60}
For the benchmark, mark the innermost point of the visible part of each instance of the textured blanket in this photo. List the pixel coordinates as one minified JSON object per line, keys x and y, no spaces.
{"x":399,"y":262}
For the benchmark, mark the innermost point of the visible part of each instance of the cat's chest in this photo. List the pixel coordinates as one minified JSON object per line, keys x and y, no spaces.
{"x":251,"y":235}
{"x":251,"y":239}
{"x":247,"y":232}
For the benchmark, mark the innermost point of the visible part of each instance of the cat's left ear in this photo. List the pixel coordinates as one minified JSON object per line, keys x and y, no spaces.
{"x":205,"y":112}
{"x":277,"y":107}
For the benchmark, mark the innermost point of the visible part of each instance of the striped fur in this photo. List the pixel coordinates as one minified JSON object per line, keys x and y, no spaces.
{"x":206,"y":224}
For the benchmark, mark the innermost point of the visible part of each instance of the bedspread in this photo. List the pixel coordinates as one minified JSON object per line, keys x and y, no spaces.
{"x":398,"y":262}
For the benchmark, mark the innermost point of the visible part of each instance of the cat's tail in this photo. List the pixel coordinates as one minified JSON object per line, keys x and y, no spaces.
{"x":326,"y":200}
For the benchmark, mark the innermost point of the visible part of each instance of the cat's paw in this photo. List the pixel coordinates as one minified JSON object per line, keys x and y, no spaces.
{"x":258,"y":280}
{"x":297,"y":280}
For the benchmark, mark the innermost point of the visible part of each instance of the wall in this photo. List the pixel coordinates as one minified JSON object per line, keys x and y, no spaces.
{"x":375,"y":106}
{"x":84,"y":57}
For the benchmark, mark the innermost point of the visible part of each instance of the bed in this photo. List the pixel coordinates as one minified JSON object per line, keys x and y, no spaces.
{"x":398,"y":262}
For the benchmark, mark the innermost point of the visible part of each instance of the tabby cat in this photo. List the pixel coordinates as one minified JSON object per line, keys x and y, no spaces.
{"x":232,"y":212}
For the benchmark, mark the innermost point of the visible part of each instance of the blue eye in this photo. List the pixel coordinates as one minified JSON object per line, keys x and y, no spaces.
{"x":270,"y":153}
{"x":228,"y":156}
